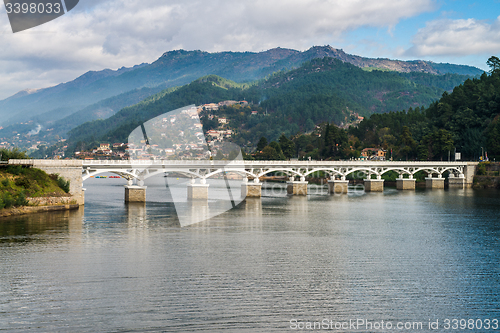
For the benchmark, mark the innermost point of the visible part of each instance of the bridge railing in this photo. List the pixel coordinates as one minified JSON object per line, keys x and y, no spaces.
{"x":348,"y":163}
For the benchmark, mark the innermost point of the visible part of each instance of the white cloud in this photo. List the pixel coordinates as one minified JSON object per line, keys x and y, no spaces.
{"x":116,"y":33}
{"x":454,"y":38}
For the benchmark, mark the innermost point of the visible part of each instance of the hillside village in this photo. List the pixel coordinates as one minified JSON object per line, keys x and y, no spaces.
{"x":174,"y":136}
{"x":168,"y":141}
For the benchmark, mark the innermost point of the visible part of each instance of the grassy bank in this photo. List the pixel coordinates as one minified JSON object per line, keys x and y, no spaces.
{"x":17,"y":183}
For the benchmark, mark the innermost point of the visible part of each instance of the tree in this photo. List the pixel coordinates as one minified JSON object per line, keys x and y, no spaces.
{"x":219,"y":155}
{"x":442,"y":143}
{"x":15,"y":153}
{"x":287,"y":146}
{"x":406,"y":142}
{"x":261,"y":144}
{"x":493,"y":135}
{"x":277,"y":147}
{"x":309,"y":125}
{"x":493,"y":63}
{"x":268,"y":153}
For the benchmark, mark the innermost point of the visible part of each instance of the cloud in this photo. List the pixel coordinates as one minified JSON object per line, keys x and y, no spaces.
{"x":115,"y":33}
{"x":446,"y":37}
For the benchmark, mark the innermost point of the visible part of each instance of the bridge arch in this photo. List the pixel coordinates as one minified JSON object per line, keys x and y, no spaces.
{"x":328,"y":170}
{"x":239,"y":171}
{"x":456,"y":169}
{"x":398,"y":170}
{"x":429,"y":170}
{"x":161,"y":171}
{"x":288,"y":171}
{"x":121,"y":173}
{"x":367,"y":170}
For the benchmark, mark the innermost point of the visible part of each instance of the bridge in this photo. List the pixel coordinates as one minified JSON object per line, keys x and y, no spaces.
{"x":460,"y":174}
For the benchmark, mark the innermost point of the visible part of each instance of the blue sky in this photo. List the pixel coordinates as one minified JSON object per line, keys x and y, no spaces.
{"x":100,"y":34}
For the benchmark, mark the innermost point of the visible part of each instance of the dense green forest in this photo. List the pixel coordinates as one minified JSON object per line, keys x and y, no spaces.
{"x":467,"y":120}
{"x":321,"y":90}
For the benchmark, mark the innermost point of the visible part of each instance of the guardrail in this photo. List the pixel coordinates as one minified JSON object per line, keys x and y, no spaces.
{"x":246,"y":163}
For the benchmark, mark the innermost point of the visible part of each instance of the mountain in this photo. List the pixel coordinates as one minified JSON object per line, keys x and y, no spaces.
{"x":177,"y":68}
{"x":325,"y":89}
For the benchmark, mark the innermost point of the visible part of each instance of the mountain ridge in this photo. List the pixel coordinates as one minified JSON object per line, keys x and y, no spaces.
{"x":324,"y":89}
{"x":180,"y":67}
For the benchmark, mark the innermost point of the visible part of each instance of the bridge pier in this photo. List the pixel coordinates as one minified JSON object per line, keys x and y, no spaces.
{"x":469,"y":172}
{"x":251,"y":190}
{"x":135,"y":193}
{"x":374,"y":185}
{"x":197,"y":191}
{"x":405,"y":183}
{"x":338,"y":186}
{"x":296,"y":187}
{"x":434,"y":182}
{"x":456,"y":182}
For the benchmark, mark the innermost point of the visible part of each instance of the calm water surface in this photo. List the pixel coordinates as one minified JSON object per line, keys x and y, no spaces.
{"x":392,"y":256}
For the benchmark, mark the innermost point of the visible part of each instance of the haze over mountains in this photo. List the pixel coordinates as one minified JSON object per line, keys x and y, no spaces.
{"x":176,"y":68}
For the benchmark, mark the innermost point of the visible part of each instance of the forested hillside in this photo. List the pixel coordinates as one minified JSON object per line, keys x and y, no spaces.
{"x":468,"y":120}
{"x":322,"y":90}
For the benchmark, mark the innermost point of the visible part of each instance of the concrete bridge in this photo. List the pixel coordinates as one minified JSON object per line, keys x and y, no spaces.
{"x":137,"y":171}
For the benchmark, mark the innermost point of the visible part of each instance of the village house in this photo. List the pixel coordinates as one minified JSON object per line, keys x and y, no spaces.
{"x":373,"y":154}
{"x":211,"y":106}
{"x":103,"y":146}
{"x":227,"y":103}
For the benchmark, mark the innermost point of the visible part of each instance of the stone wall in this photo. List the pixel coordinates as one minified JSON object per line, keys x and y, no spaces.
{"x":50,"y":201}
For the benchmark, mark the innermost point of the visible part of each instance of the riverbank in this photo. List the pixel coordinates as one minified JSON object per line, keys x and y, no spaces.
{"x":25,"y":190}
{"x":23,"y":210}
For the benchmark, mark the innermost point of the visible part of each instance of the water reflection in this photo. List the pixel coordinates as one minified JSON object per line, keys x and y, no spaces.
{"x":36,"y":227}
{"x":394,"y":255}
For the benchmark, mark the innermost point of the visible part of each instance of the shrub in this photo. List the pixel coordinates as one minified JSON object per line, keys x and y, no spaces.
{"x":21,"y":199}
{"x":39,"y":176}
{"x":15,"y":153}
{"x":7,"y":200}
{"x":481,"y":169}
{"x":23,"y":182}
{"x":5,"y":182}
{"x":64,"y":184}
{"x":15,"y":169}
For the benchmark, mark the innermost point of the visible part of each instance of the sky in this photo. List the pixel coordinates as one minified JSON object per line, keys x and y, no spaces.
{"x":99,"y":34}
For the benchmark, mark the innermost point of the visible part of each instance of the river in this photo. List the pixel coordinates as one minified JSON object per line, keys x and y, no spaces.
{"x":275,"y":264}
